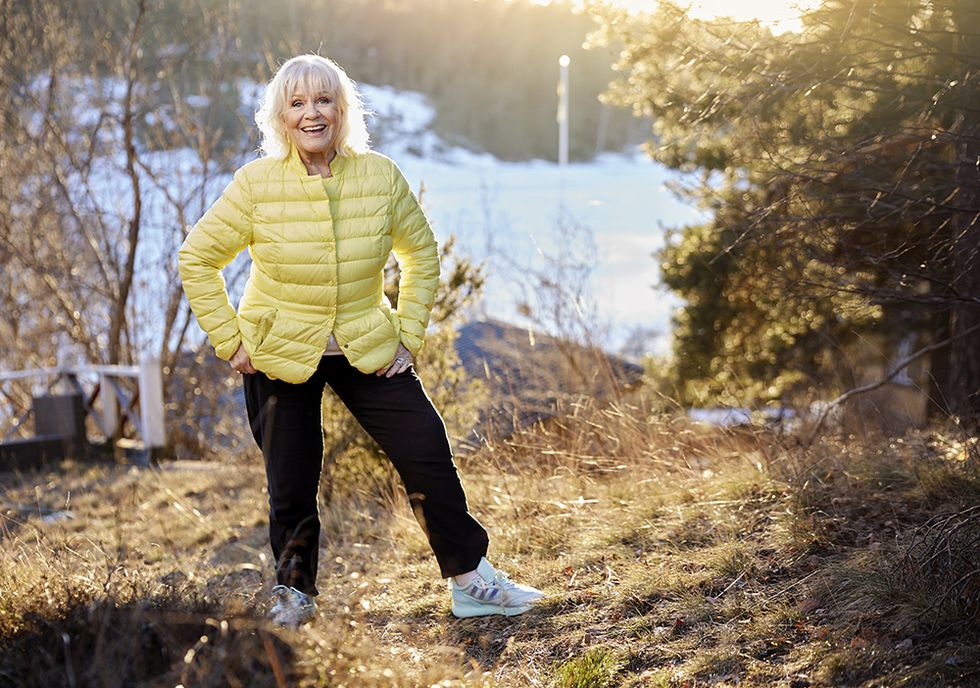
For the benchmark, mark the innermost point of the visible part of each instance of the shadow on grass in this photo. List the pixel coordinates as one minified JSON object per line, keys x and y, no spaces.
{"x":481,"y":641}
{"x":484,"y":640}
{"x":160,"y":642}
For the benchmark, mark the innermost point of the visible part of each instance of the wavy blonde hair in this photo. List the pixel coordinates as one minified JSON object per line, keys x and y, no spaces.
{"x":316,"y":74}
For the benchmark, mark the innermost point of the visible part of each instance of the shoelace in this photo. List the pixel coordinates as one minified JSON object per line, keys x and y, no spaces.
{"x":504,"y":580}
{"x":500,"y":578}
{"x":280,"y":591}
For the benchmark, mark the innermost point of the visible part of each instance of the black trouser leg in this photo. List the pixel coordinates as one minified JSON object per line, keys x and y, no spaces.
{"x":286,"y":423}
{"x":399,"y":415}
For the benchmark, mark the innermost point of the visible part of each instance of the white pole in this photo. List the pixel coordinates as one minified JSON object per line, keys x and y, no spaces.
{"x":563,"y":111}
{"x":151,"y":402}
{"x":110,"y":407}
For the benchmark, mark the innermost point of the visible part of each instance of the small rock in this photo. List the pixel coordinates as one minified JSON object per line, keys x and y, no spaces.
{"x":56,"y":516}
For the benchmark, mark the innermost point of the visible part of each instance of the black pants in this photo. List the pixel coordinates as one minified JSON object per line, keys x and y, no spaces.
{"x":398,"y":414}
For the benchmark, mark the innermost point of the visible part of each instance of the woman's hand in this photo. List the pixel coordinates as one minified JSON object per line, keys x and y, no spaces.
{"x":403,"y":359}
{"x":241,"y":362}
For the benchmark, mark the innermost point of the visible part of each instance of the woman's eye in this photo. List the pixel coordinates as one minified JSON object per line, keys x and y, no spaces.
{"x":297,"y":103}
{"x":323,"y":99}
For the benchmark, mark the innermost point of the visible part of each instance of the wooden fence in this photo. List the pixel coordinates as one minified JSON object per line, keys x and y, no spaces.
{"x":133,"y":393}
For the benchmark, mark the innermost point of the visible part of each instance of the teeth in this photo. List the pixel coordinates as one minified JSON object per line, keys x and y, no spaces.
{"x":319,"y":127}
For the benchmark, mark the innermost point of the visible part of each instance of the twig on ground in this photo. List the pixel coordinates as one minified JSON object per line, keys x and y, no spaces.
{"x":270,"y":650}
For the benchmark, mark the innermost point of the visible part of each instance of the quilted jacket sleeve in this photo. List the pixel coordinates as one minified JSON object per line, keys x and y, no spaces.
{"x":220,"y":235}
{"x":418,"y":258}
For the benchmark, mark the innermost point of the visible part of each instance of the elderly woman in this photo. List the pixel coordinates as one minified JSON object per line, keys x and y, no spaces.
{"x":319,"y":213}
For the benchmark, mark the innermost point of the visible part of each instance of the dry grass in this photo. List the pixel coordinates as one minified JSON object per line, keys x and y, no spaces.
{"x":672,"y":556}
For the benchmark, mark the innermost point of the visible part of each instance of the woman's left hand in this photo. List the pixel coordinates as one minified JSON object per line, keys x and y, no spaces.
{"x":403,"y":359}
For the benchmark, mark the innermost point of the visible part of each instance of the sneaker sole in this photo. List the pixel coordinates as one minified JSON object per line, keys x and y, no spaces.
{"x":292,"y":623}
{"x":466,"y":613}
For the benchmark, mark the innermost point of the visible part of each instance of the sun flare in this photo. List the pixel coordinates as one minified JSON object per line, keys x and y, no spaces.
{"x":781,"y":15}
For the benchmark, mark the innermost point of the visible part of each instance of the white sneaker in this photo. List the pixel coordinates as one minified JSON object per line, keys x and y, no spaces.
{"x":292,"y":608}
{"x":492,"y":592}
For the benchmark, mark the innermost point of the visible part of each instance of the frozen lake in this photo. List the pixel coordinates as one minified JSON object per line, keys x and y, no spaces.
{"x":517,"y":214}
{"x":610,"y":213}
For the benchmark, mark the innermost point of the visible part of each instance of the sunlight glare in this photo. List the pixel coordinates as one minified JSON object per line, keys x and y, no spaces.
{"x":779,"y":15}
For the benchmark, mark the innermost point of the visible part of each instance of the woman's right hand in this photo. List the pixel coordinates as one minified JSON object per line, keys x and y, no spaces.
{"x":241,"y":362}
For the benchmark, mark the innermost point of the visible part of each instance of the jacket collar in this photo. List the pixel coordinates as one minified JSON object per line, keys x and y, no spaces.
{"x":295,"y":163}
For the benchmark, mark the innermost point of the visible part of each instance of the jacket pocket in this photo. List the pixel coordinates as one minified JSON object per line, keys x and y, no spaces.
{"x":372,"y":328}
{"x":255,"y":325}
{"x":264,"y":327}
{"x":392,"y":318}
{"x":284,"y":340}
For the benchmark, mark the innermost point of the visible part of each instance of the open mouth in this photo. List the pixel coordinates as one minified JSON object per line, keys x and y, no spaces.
{"x":316,"y":129}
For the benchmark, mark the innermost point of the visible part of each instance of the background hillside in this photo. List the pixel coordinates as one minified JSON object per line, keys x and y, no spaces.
{"x":489,"y":67}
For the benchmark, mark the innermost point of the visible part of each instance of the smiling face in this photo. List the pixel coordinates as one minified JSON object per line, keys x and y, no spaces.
{"x":311,"y":118}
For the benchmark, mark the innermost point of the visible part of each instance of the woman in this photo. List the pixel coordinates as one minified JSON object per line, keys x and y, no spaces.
{"x":319,"y":213}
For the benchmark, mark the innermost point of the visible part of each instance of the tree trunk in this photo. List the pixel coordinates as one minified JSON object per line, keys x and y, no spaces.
{"x":965,"y":350}
{"x":964,"y":354}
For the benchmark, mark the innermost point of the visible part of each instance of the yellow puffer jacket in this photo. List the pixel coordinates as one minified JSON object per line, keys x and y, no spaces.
{"x":318,"y":248}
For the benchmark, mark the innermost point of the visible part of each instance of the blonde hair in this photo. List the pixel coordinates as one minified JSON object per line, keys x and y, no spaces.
{"x":316,"y":74}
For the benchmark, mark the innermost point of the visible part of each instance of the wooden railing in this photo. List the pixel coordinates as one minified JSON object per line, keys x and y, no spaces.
{"x":143,"y":408}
